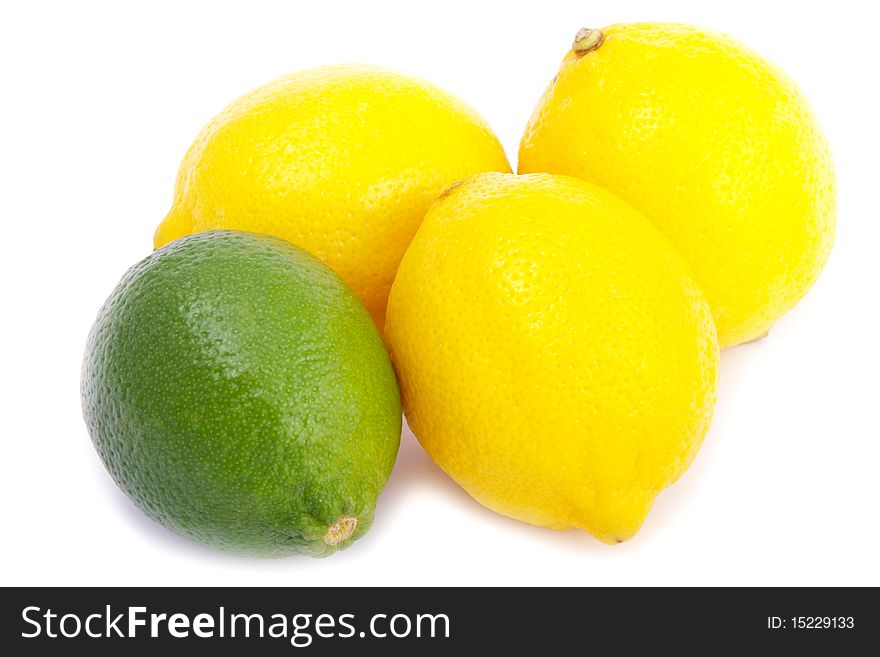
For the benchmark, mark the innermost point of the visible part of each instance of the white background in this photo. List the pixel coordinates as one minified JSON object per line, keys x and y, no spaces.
{"x":99,"y":102}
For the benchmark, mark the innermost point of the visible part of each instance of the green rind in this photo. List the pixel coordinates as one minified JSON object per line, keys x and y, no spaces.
{"x":239,"y":393}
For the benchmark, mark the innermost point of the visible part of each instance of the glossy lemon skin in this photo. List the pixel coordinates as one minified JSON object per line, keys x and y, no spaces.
{"x":340,"y":160}
{"x":555,"y":356}
{"x":713,"y":144}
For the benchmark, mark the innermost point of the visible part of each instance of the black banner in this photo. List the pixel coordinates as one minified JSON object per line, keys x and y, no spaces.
{"x":326,"y":621}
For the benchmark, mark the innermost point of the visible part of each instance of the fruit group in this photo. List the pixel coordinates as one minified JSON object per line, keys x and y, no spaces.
{"x":239,"y":394}
{"x":555,"y":356}
{"x":709,"y":141}
{"x":340,"y":160}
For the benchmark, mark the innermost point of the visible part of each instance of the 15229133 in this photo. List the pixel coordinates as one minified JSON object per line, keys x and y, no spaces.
{"x":811,"y":623}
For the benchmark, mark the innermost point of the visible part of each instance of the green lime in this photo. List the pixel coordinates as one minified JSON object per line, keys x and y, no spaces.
{"x":240,"y":395}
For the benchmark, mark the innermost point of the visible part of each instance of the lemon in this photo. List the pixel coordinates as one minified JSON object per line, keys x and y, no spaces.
{"x":713,"y":144}
{"x":340,"y":160}
{"x":555,"y":356}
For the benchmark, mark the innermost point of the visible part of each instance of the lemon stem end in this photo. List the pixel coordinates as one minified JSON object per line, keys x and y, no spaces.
{"x":587,"y":40}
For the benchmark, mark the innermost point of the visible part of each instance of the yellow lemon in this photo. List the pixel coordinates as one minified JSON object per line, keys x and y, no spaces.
{"x":554,"y":354}
{"x":340,"y":160}
{"x":713,"y":144}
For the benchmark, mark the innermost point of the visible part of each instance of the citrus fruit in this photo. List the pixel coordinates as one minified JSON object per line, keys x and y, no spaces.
{"x":554,"y":354}
{"x":239,"y":393}
{"x":713,"y":144}
{"x":340,"y":160}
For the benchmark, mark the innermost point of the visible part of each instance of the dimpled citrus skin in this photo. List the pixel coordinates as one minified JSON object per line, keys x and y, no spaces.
{"x":239,"y":393}
{"x":554,"y":354}
{"x":340,"y":160}
{"x":714,"y":145}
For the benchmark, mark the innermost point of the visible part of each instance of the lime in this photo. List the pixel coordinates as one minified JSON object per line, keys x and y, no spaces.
{"x":240,"y":395}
